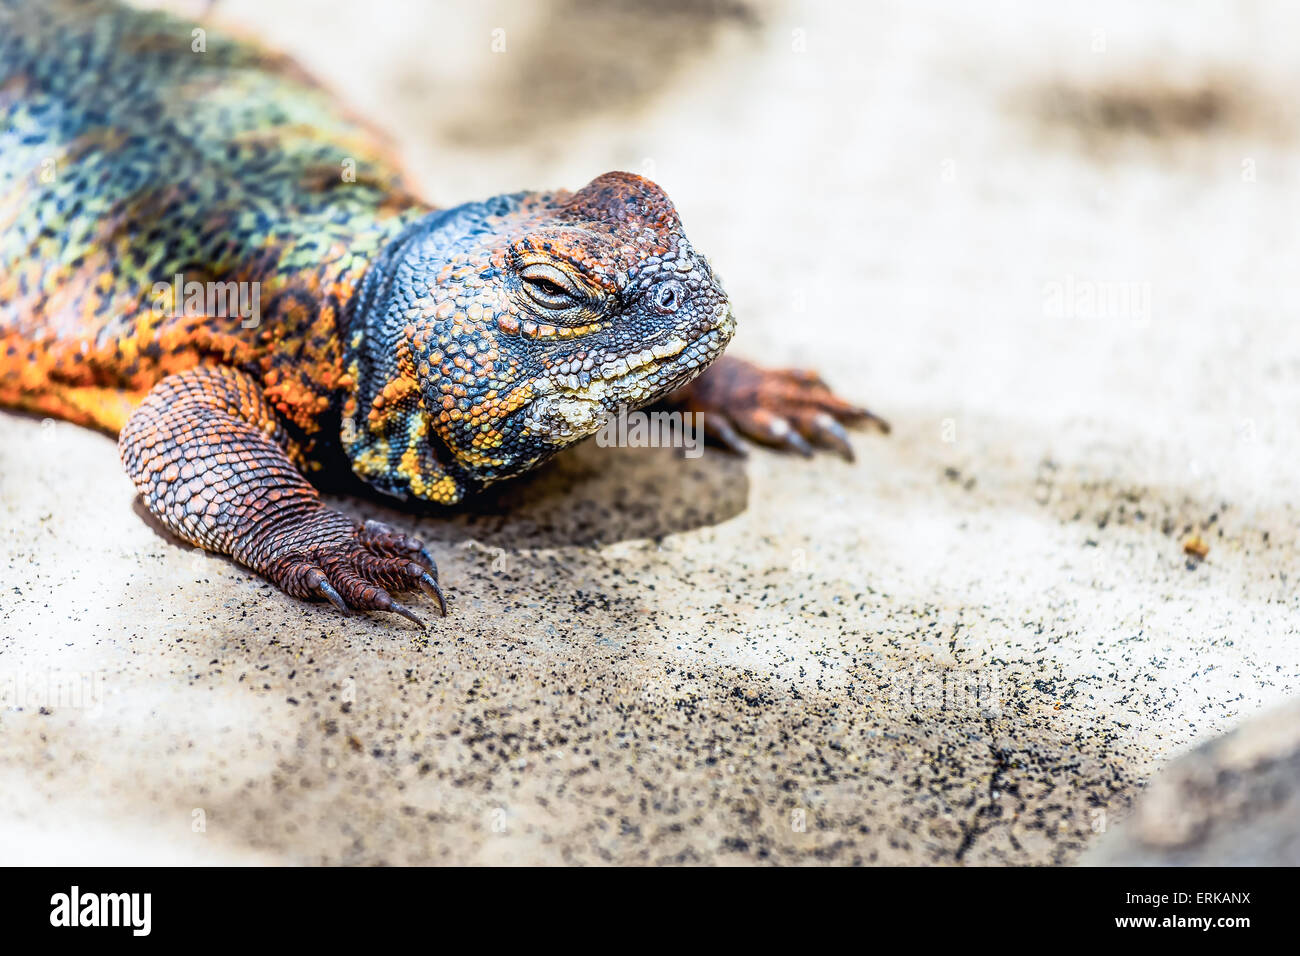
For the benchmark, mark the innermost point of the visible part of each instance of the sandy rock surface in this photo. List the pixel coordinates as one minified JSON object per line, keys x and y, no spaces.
{"x":1055,"y":249}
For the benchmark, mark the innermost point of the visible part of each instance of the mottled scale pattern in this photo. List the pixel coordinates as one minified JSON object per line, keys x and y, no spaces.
{"x":127,"y":157}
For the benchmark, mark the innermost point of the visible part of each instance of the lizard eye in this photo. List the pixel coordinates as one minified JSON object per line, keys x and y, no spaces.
{"x":549,"y":287}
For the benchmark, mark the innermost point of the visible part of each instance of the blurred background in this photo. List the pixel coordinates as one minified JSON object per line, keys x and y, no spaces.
{"x":1052,"y":244}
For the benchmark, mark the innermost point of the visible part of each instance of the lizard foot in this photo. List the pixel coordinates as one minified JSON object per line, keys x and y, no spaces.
{"x":355,"y":568}
{"x":789,"y":409}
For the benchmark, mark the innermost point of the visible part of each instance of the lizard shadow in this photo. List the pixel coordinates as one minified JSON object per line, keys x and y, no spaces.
{"x":585,"y":496}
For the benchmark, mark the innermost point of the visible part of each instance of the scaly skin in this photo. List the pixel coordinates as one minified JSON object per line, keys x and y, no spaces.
{"x":431,"y":352}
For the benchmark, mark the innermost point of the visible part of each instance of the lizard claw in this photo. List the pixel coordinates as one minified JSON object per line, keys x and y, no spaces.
{"x":858,"y":414}
{"x":773,"y":429}
{"x":790,"y":409}
{"x":405,"y":612}
{"x":356,"y":568}
{"x":718,"y":427}
{"x":317,"y":579}
{"x":430,"y":585}
{"x":824,"y":429}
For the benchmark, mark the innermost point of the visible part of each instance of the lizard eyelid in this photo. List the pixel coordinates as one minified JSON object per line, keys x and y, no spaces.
{"x":549,"y":287}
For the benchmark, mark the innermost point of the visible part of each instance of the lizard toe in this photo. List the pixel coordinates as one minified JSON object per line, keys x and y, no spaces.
{"x":822,"y":429}
{"x":769,"y":428}
{"x":400,"y":573}
{"x":717,"y":426}
{"x":365,"y":595}
{"x":791,"y":409}
{"x":385,"y":539}
{"x":805,"y":390}
{"x":318,"y":581}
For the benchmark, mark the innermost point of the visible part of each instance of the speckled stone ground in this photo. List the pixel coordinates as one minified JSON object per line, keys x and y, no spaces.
{"x":973,"y":645}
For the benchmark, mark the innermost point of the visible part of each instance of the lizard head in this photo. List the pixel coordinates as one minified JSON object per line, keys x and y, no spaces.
{"x":489,"y":336}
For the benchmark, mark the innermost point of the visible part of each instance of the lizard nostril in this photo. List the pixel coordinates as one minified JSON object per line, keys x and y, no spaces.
{"x":669,"y":297}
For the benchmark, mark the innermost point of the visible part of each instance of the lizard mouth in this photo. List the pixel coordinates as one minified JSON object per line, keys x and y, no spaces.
{"x":576,"y":404}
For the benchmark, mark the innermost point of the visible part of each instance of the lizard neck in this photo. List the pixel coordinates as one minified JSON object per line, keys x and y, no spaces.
{"x":385,"y":427}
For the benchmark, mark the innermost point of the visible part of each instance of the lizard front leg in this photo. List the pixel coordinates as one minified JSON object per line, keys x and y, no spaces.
{"x":785,"y":408}
{"x":211,"y":460}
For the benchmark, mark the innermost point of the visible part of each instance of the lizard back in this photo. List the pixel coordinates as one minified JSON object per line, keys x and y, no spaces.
{"x":140,"y":154}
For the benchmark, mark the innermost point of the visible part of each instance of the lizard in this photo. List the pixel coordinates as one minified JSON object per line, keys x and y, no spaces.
{"x":153,"y":174}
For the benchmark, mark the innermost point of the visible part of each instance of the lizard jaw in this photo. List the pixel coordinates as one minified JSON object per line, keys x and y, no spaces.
{"x":571,"y":407}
